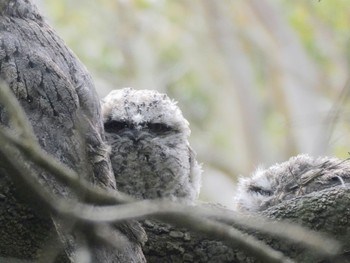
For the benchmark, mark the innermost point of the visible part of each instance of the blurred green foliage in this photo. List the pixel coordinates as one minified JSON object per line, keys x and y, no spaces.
{"x":259,"y":80}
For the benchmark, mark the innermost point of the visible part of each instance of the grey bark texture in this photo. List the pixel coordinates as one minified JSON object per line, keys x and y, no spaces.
{"x":58,"y":96}
{"x":326,"y":211}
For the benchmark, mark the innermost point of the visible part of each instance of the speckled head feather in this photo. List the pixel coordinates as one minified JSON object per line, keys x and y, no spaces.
{"x":298,"y":176}
{"x":143,"y":106}
{"x":148,"y":135}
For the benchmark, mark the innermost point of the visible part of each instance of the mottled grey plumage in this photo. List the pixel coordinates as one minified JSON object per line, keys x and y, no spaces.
{"x":151,"y":156}
{"x":298,"y":176}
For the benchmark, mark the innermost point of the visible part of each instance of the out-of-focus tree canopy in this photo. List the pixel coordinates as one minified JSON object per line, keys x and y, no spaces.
{"x":259,"y":80}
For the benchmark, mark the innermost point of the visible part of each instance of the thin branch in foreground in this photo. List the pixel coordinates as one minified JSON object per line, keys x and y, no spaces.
{"x":69,"y":209}
{"x":170,"y":212}
{"x":153,"y":208}
{"x":193,"y":221}
{"x":160,"y":208}
{"x":99,"y":196}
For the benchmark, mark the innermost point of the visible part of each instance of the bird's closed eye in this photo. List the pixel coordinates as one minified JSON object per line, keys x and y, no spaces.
{"x":159,"y":128}
{"x":115,"y":126}
{"x":259,"y":190}
{"x":337,"y":178}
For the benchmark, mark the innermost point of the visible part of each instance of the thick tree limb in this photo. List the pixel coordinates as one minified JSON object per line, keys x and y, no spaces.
{"x":58,"y":97}
{"x":325,"y":211}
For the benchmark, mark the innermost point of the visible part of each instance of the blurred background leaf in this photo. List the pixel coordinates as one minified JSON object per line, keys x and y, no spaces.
{"x":259,"y":80}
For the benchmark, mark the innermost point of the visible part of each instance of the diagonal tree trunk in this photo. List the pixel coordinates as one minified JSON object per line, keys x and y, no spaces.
{"x":59,"y":99}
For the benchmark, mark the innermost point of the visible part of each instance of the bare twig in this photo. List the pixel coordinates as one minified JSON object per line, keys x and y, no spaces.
{"x":161,"y":208}
{"x":74,"y":210}
{"x":190,"y":217}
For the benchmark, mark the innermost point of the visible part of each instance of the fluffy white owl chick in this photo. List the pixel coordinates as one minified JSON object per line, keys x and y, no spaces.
{"x":150,"y":153}
{"x":298,"y":176}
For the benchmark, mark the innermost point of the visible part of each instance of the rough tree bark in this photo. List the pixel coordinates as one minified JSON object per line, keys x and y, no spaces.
{"x":325,"y":211}
{"x":58,"y":96}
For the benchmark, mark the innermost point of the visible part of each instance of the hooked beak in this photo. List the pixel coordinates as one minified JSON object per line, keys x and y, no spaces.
{"x":134,"y":135}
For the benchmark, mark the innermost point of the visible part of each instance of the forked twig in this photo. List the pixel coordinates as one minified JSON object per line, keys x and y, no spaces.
{"x":190,"y":217}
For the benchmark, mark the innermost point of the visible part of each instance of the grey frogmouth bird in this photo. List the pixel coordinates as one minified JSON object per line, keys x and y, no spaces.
{"x":298,"y":176}
{"x":150,"y":152}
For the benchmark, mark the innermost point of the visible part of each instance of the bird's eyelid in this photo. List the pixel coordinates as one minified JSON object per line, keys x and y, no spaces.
{"x":159,"y":127}
{"x":116,"y":125}
{"x":260,"y":190}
